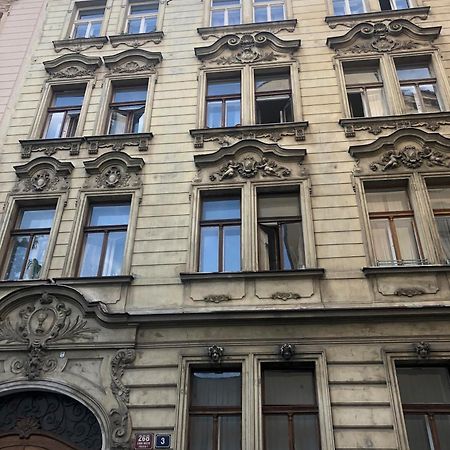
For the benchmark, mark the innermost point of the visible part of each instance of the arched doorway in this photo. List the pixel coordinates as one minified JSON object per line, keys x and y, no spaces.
{"x":47,"y":421}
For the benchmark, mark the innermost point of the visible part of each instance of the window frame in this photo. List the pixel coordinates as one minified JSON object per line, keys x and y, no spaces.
{"x":78,"y":21}
{"x":268,"y":4}
{"x":124,"y":14}
{"x":249,"y":219}
{"x":16,"y":203}
{"x":84,"y":202}
{"x":373,"y":6}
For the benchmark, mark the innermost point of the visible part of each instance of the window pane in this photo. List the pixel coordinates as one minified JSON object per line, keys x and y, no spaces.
{"x":382,"y":239}
{"x":232,"y":249}
{"x":424,"y":384}
{"x":225,"y":2}
{"x":214,"y":114}
{"x":268,"y":242}
{"x":234,"y":16}
{"x":339,"y":7}
{"x":209,"y":249}
{"x":130,"y":94}
{"x":200,"y":433}
{"x":142,"y":9}
{"x":18,"y":253}
{"x":71,"y":98}
{"x":439,"y":197}
{"x":401,"y":4}
{"x":443,"y":428}
{"x":216,"y":388}
{"x":418,"y":432}
{"x":80,"y":30}
{"x":272,"y":83}
{"x":91,"y":254}
{"x":276,"y":432}
{"x":55,"y":124}
{"x":443,"y":226}
{"x":356,"y":6}
{"x":274,"y":109}
{"x":361,"y":75}
{"x":217,"y":18}
{"x":134,"y":26}
{"x":95,"y":29}
{"x":221,"y":209}
{"x":413,"y":72}
{"x":376,"y":103}
{"x":278,"y":205}
{"x":232,"y":113}
{"x":411,"y":98}
{"x":150,"y":25}
{"x":118,"y":123}
{"x":277,"y":12}
{"x":407,"y":238}
{"x":387,"y":200}
{"x":87,"y":14}
{"x":36,"y":218}
{"x":138,"y":121}
{"x":292,"y":245}
{"x":261,"y":14}
{"x":115,"y":250}
{"x":228,"y":87}
{"x":429,"y":97}
{"x":36,"y":257}
{"x":306,"y":432}
{"x":289,"y":387}
{"x":230,"y":432}
{"x":104,"y":215}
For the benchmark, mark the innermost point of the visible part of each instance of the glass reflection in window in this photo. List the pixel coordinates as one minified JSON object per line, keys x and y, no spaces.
{"x":88,"y":23}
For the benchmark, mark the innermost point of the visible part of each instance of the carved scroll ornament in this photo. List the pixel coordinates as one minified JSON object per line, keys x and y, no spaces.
{"x":249,"y":167}
{"x":38,"y":324}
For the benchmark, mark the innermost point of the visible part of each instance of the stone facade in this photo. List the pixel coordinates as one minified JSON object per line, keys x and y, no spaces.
{"x":124,"y":345}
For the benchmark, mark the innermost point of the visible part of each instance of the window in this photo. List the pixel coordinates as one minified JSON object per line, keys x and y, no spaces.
{"x":273,"y":98}
{"x":88,"y":23}
{"x":220,"y":234}
{"x":105,"y":236}
{"x":440,"y":202}
{"x":387,"y":5}
{"x":225,"y":12}
{"x":142,"y":17}
{"x":223,"y":102}
{"x":63,"y":114}
{"x":365,"y":91}
{"x":289,"y":409}
{"x":127,"y":108}
{"x":417,"y":85}
{"x":280,"y":234}
{"x":29,"y":243}
{"x":393,"y":226}
{"x":268,"y":10}
{"x":215,"y":410}
{"x":342,"y":7}
{"x":425,"y":396}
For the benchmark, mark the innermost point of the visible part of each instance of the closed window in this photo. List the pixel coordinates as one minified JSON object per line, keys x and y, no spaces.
{"x":104,"y":240}
{"x":273,"y":98}
{"x":386,"y":5}
{"x":225,"y":12}
{"x":280,"y":235}
{"x":88,"y":23}
{"x":418,"y":85}
{"x":223,"y":102}
{"x":215,"y":410}
{"x":289,"y":408}
{"x":425,"y":396}
{"x":365,"y":91}
{"x":142,"y":17}
{"x":220,"y":234}
{"x":127,"y":109}
{"x":63,"y":114}
{"x":268,"y":10}
{"x":342,"y":7}
{"x":440,"y":202}
{"x":28,"y":243}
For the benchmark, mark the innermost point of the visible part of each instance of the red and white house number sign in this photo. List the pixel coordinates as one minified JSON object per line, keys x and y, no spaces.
{"x":143,"y":440}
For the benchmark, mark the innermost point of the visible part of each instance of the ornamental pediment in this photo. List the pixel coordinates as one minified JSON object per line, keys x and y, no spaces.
{"x":43,"y":174}
{"x":250,"y":159}
{"x":72,"y":66}
{"x":133,"y":61}
{"x":384,"y":37}
{"x":405,"y":151}
{"x":247,"y":48}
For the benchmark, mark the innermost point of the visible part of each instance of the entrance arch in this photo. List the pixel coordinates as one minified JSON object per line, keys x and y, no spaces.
{"x":40,"y":420}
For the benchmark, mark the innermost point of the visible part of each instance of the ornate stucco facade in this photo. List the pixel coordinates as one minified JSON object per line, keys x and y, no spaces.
{"x":125,"y":345}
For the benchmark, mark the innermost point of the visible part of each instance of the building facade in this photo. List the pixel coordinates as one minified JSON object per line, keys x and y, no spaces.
{"x":225,"y":226}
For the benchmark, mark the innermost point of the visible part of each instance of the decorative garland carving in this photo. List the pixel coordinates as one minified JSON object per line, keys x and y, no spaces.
{"x":410,"y":157}
{"x":37,"y":325}
{"x":285,"y":296}
{"x":409,"y":292}
{"x":216,"y":298}
{"x":249,"y":167}
{"x":119,"y":417}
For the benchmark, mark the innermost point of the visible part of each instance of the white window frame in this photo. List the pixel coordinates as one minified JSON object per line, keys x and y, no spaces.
{"x":225,"y":10}
{"x":142,"y":17}
{"x":268,"y":4}
{"x":372,"y":6}
{"x":78,"y":21}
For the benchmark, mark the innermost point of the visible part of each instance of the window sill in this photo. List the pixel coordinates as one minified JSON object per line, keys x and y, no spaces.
{"x":229,"y":135}
{"x":204,"y":276}
{"x":136,"y":40}
{"x":350,"y":20}
{"x":273,"y":27}
{"x":376,"y":125}
{"x":50,"y":146}
{"x":118,"y":279}
{"x":80,"y":44}
{"x":394,"y":270}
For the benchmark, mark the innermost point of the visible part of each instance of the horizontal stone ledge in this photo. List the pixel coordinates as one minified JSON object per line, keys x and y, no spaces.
{"x":394,"y":270}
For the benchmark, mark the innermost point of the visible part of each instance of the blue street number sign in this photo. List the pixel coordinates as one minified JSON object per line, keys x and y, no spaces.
{"x":162,"y":441}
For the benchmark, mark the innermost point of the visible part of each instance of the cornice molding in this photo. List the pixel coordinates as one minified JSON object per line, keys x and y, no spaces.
{"x":136,"y":40}
{"x":133,"y":61}
{"x":72,"y":66}
{"x":80,"y":44}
